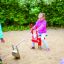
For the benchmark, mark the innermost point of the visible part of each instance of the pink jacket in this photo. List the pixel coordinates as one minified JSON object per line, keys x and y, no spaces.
{"x":41,"y":26}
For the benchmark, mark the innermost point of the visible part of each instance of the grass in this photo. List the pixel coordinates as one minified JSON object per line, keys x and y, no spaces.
{"x":16,"y":28}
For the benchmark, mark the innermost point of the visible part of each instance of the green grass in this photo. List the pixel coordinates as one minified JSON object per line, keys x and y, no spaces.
{"x":15,"y":28}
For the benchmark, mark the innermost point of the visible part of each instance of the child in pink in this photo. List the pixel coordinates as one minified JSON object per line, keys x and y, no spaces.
{"x":41,"y":29}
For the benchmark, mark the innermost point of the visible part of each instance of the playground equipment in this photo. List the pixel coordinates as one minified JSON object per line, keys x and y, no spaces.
{"x":36,"y":38}
{"x":15,"y":52}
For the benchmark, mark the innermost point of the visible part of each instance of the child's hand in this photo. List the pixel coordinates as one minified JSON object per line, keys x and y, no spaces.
{"x":37,"y":30}
{"x":31,"y":25}
{"x":31,"y":30}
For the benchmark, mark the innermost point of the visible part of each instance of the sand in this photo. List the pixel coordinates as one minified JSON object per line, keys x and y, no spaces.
{"x":55,"y":41}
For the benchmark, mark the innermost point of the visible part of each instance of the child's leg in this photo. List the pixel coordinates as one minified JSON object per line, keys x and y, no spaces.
{"x":45,"y":44}
{"x":1,"y":35}
{"x":33,"y":45}
{"x":2,"y":40}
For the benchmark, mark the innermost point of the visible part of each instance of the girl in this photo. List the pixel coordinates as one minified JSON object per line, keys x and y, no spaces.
{"x":41,"y":29}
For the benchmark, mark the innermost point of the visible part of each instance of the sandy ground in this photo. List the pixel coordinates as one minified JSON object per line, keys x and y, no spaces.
{"x":55,"y":41}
